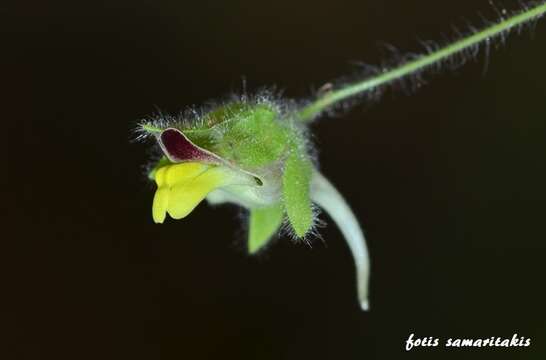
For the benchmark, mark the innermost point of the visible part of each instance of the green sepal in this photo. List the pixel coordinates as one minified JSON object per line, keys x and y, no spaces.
{"x":296,"y":192}
{"x":254,"y":139}
{"x":263,"y":224}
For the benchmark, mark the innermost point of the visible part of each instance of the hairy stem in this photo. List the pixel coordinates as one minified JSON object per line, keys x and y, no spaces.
{"x":423,"y":62}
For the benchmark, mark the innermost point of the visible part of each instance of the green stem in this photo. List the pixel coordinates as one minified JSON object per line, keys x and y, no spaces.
{"x":411,"y":67}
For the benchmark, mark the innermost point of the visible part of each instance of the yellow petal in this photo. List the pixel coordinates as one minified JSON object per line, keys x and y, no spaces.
{"x":184,"y":172}
{"x":168,"y":176}
{"x":159,"y":207}
{"x":160,"y":176}
{"x":161,"y":197}
{"x":182,"y":186}
{"x":186,"y":195}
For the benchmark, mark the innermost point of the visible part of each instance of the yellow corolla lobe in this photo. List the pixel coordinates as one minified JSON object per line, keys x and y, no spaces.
{"x":181,"y":187}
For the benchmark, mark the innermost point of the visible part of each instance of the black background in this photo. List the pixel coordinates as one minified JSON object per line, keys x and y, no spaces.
{"x":448,"y":183}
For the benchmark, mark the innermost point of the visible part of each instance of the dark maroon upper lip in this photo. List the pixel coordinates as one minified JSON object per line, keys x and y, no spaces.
{"x":178,"y":148}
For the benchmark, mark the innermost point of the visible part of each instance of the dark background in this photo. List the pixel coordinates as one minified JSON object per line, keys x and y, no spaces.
{"x":448,"y":183}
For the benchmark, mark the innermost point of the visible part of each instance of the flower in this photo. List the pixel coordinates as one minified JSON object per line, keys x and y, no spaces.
{"x":256,"y":156}
{"x":181,"y":187}
{"x":190,"y":173}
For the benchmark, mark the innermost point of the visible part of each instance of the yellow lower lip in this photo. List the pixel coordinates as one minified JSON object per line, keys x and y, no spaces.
{"x":181,"y":187}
